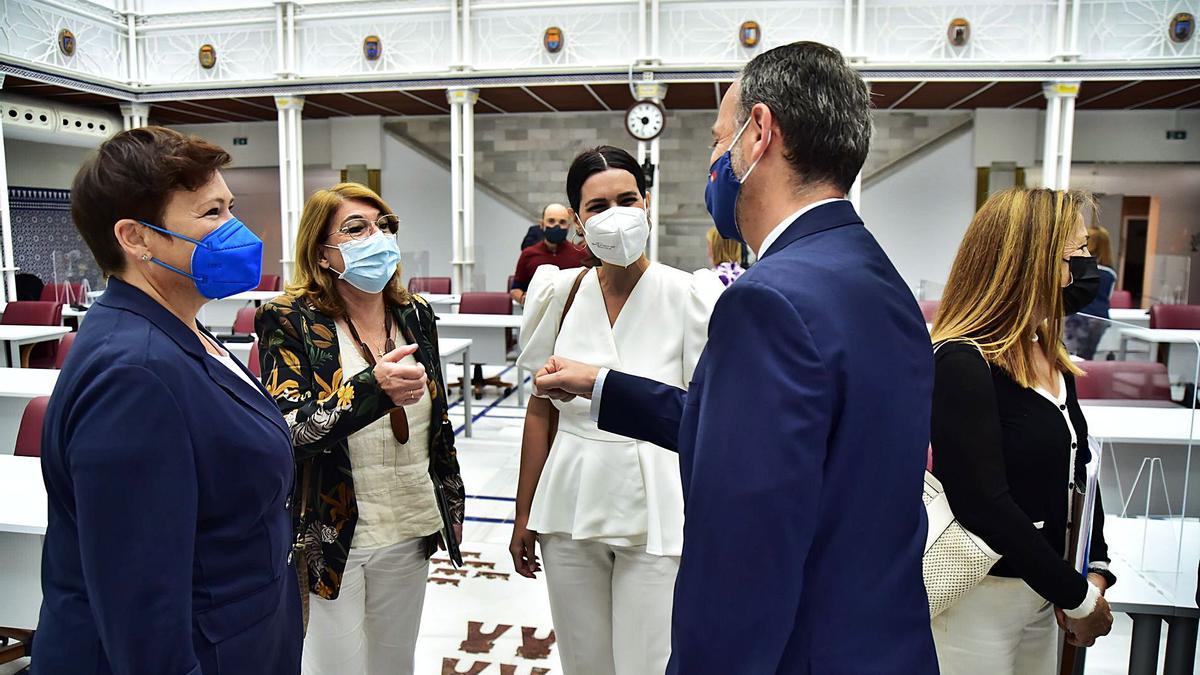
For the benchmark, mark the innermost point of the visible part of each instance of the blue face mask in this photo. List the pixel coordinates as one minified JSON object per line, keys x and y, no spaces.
{"x":721,"y":192}
{"x":370,"y":262}
{"x":226,"y":261}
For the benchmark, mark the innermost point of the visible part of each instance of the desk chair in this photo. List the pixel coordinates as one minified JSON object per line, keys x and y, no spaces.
{"x":35,"y":313}
{"x":64,"y":348}
{"x":29,"y":433}
{"x":1120,"y":300}
{"x":1185,"y":317}
{"x":487,"y":303}
{"x":929,"y":309}
{"x":64,"y":293}
{"x":269,"y":282}
{"x":435,"y":285}
{"x":1123,"y":380}
{"x":29,"y":286}
{"x":253,"y":365}
{"x":243,"y":326}
{"x":15,"y":643}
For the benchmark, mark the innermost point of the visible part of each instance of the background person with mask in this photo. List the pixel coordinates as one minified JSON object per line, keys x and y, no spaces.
{"x":1009,"y":438}
{"x":162,"y":455}
{"x":804,"y":433}
{"x":1082,"y":331}
{"x":554,"y":250}
{"x":352,"y":361}
{"x":607,"y":510}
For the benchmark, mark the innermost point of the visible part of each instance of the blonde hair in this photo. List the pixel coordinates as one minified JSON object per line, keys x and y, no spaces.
{"x":1006,"y":282}
{"x":1099,"y":245}
{"x":318,"y":284}
{"x":723,"y":250}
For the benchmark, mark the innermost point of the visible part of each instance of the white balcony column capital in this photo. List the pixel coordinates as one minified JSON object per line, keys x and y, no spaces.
{"x":462,"y":96}
{"x":1065,"y":89}
{"x":289,"y":103}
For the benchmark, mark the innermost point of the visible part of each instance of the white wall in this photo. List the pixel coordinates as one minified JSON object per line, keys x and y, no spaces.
{"x":920,"y":213}
{"x":262,"y":147}
{"x":1134,"y":136}
{"x":1099,"y":136}
{"x":42,"y":165}
{"x":418,"y":189}
{"x":355,"y":140}
{"x":256,"y":203}
{"x":1003,"y":135}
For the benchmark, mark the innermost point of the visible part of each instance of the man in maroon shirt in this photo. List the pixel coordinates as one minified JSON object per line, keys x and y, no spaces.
{"x":552,"y":250}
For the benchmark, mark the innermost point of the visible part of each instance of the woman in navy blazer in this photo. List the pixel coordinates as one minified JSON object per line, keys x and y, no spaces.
{"x":167,"y":466}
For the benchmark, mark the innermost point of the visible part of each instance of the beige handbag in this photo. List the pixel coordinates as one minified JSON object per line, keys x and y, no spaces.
{"x":955,"y":560}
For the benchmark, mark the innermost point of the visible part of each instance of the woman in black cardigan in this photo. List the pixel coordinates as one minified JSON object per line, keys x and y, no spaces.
{"x":1009,"y":438}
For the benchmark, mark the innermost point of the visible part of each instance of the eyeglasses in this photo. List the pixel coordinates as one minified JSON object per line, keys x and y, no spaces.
{"x":361,"y":228}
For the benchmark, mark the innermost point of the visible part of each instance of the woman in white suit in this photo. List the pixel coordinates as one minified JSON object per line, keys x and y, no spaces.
{"x":607,"y":510}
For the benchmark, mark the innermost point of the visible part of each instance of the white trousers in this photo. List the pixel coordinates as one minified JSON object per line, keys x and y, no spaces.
{"x":371,"y":628}
{"x":611,"y":606}
{"x":1000,"y":627}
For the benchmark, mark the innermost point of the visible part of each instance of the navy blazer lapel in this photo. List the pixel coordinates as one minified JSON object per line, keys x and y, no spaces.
{"x":822,"y":218}
{"x":256,"y":399}
{"x":121,"y":295}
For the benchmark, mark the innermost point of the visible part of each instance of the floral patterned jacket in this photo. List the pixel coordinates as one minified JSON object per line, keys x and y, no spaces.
{"x":301,"y":367}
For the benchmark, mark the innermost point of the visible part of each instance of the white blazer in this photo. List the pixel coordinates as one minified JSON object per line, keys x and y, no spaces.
{"x":596,"y":485}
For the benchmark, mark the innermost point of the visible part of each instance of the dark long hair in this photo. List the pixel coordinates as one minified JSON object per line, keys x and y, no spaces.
{"x":591,"y":162}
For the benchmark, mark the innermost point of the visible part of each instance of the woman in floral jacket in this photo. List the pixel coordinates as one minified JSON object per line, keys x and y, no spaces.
{"x":351,"y":359}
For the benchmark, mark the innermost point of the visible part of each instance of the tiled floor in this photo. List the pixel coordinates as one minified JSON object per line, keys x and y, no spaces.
{"x":486,"y":620}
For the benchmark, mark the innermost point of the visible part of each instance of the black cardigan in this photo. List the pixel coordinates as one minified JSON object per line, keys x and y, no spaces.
{"x":1001,"y":452}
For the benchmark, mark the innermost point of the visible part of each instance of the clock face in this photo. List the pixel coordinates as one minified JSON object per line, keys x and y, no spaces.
{"x":645,"y":120}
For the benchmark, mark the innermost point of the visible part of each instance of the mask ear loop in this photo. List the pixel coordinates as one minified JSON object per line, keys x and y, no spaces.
{"x":746,"y":177}
{"x":173,"y":268}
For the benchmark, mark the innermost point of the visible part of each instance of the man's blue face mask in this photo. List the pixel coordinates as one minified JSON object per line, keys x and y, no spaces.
{"x":721,"y":192}
{"x":225,"y":262}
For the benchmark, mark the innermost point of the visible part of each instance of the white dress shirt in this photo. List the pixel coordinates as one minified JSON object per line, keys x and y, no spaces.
{"x":772,"y":236}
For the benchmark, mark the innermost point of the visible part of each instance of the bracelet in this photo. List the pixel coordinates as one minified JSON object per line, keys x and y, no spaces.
{"x":1102,"y":570}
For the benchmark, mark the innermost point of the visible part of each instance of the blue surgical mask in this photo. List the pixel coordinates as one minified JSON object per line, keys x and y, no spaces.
{"x":370,"y":262}
{"x":225,"y":262}
{"x":556,"y":235}
{"x":721,"y":192}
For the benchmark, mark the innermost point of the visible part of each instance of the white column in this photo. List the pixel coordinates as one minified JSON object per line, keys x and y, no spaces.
{"x":135,"y":115}
{"x":1050,"y":140}
{"x":1066,"y":139}
{"x":280,"y":41}
{"x":131,"y":45}
{"x":1060,"y":125}
{"x":291,"y":176}
{"x":456,"y":195}
{"x":9,"y":265}
{"x":462,"y":186}
{"x":468,"y":190}
{"x":655,"y":199}
{"x":655,"y":30}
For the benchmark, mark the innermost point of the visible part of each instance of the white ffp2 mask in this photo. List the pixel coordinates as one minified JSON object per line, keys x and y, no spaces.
{"x":618,"y":235}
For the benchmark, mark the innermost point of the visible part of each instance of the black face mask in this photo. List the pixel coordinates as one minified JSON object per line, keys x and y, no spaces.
{"x":556,"y":235}
{"x":1085,"y":283}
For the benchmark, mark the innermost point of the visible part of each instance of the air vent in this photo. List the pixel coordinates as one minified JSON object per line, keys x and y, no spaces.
{"x":44,"y":122}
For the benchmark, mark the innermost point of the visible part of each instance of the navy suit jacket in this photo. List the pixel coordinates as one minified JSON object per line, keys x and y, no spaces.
{"x":168,"y":476}
{"x":802,"y":442}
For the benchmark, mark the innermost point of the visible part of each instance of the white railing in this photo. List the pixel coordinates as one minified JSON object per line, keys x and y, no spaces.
{"x":119,"y":43}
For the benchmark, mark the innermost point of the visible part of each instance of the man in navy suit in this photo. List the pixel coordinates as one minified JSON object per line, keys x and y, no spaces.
{"x":803,"y":435}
